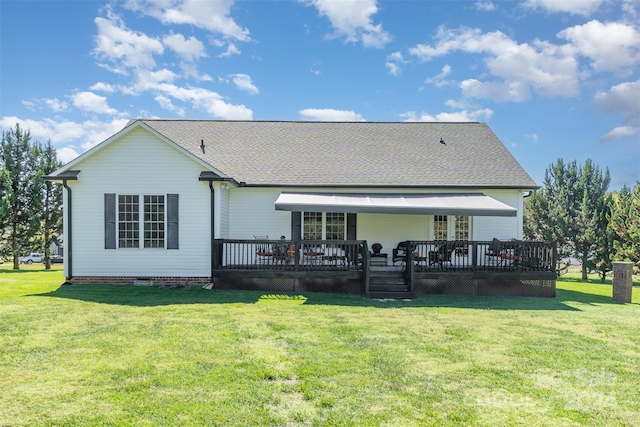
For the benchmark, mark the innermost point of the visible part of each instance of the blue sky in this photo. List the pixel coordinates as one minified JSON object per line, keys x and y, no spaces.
{"x":553,"y":79}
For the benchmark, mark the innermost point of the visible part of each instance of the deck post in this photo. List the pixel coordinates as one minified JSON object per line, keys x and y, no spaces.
{"x":366,"y":258}
{"x":409,"y":265}
{"x":474,"y":255}
{"x":296,"y":256}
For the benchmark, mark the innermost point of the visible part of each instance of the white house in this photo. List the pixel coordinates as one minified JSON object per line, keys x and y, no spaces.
{"x":150,"y":201}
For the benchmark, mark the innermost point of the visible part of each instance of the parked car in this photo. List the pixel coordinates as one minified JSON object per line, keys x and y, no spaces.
{"x":57,"y":259}
{"x":31,"y":258}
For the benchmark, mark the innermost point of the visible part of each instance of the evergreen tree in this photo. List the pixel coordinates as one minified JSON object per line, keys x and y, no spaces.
{"x":21,"y":186}
{"x":51,"y":209}
{"x":586,"y":231}
{"x":625,"y":224}
{"x":603,"y":238}
{"x":548,"y":211}
{"x":565,"y":210}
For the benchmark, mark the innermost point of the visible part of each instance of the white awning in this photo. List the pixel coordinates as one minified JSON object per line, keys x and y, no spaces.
{"x":475,"y":204}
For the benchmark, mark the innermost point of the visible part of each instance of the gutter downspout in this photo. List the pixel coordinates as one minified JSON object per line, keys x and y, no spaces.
{"x":65,"y":177}
{"x":211,"y":177}
{"x":213,"y":223}
{"x":68,"y":238}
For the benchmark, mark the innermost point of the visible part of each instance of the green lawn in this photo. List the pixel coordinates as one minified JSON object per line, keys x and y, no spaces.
{"x":113,"y":355}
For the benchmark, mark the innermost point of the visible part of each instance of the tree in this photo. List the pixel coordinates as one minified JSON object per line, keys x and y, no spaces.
{"x":548,"y":211}
{"x":625,"y":224}
{"x":603,"y":238}
{"x":586,"y":231}
{"x":566,"y":211}
{"x":21,"y":187}
{"x":51,"y":206}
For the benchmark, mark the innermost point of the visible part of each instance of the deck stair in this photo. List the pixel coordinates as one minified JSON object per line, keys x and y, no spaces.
{"x":388,"y":284}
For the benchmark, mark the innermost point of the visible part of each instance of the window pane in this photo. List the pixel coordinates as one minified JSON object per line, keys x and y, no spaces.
{"x":440,"y":227}
{"x":462,"y":227}
{"x":462,"y":233}
{"x":335,"y":226}
{"x":153,"y":222}
{"x":312,"y":226}
{"x":128,"y":226}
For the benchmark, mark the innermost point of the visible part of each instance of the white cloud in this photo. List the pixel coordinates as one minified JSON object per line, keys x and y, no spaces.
{"x":393,"y":63}
{"x":393,"y":68}
{"x":352,"y":19}
{"x":485,"y":6}
{"x":209,"y":15}
{"x":166,"y":103}
{"x":610,"y":46}
{"x":498,"y":91}
{"x":629,"y":7}
{"x":85,"y":134}
{"x":149,"y":80}
{"x":620,"y":132}
{"x":188,"y":49}
{"x":89,"y":101}
{"x":54,"y":104}
{"x":330,"y":115}
{"x":190,"y":69}
{"x":123,"y":47}
{"x":31,"y":105}
{"x":231,"y":50}
{"x":457,"y":116}
{"x":439,"y":80}
{"x":533,"y":137}
{"x":243,"y":82}
{"x":623,"y":98}
{"x":576,"y":7}
{"x":204,"y":99}
{"x":66,"y":154}
{"x":103,"y":87}
{"x":541,"y":67}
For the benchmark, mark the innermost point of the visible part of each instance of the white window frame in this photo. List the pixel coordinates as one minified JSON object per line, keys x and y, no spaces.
{"x":451,"y":226}
{"x":324,"y":224}
{"x":143,"y":222}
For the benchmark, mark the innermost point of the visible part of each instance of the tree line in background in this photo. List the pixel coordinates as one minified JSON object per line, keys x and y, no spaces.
{"x":575,"y":209}
{"x":30,"y":206}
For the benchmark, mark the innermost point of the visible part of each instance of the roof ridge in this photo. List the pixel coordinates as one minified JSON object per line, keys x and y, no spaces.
{"x":297,"y":121}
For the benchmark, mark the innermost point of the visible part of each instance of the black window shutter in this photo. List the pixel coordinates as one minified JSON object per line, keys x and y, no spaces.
{"x":109,"y":221}
{"x":351,"y":226}
{"x":296,"y":225}
{"x":172,"y":221}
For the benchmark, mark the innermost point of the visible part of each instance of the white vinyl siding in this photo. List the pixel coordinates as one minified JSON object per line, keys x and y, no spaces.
{"x":503,"y":228}
{"x":222,"y":214}
{"x":252,"y":213}
{"x":140,"y":164}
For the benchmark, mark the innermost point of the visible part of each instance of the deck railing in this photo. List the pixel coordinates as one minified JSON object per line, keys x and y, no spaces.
{"x":353,"y":255}
{"x":496,"y":255}
{"x":287,"y":255}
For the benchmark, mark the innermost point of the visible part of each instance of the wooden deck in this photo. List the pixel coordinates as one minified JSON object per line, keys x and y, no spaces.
{"x":460,"y":267}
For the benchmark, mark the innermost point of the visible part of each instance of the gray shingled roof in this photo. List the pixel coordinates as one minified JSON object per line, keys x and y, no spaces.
{"x":350,"y":153}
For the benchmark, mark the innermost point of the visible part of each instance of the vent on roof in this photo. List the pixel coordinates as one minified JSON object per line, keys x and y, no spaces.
{"x":202,"y":145}
{"x":442,"y":142}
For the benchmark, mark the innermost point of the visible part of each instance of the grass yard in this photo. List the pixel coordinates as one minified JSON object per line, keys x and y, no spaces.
{"x":138,"y":356}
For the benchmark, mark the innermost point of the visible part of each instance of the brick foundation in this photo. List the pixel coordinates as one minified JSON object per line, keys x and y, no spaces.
{"x":129,"y":280}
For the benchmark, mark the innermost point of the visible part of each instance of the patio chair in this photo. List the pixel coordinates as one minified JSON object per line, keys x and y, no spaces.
{"x":377,"y":257}
{"x":263,"y":250}
{"x":400,"y":252}
{"x":441,"y":254}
